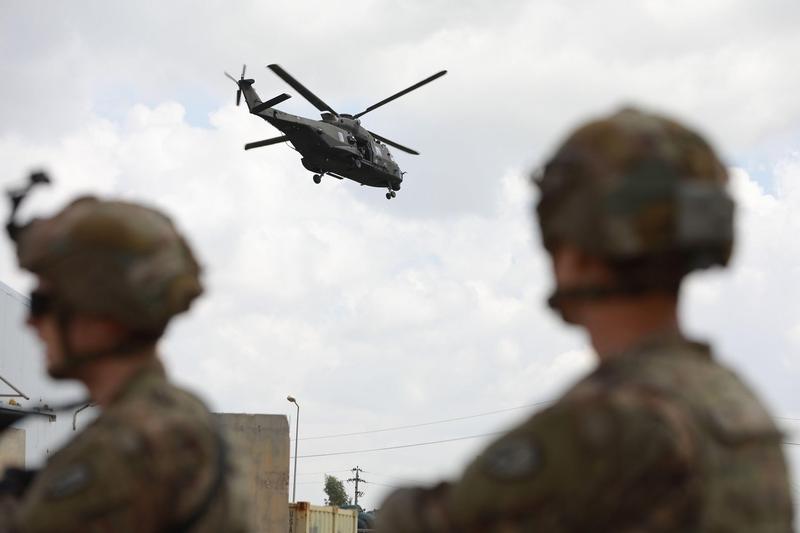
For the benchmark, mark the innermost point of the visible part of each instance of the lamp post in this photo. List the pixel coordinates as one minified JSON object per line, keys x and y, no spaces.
{"x":296,"y":432}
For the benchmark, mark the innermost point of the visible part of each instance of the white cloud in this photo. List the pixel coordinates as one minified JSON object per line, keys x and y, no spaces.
{"x":374,"y":313}
{"x":519,"y":71}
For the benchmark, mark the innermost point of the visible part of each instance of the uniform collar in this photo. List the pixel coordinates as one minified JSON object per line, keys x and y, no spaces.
{"x":671,"y":341}
{"x":153,"y":369}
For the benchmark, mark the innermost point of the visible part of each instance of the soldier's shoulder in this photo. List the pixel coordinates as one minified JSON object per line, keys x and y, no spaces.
{"x":671,"y":369}
{"x":164,"y":416}
{"x":685,"y":379}
{"x":585,"y":445}
{"x":161,"y":398}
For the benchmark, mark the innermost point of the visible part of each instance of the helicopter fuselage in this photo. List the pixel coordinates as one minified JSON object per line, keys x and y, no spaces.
{"x":339,"y":146}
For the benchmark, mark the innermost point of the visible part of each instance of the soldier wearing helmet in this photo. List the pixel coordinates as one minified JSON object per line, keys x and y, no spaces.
{"x":659,"y":437}
{"x":111,"y":275}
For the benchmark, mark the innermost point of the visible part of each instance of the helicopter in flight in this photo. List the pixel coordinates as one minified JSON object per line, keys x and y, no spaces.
{"x":338,"y":145}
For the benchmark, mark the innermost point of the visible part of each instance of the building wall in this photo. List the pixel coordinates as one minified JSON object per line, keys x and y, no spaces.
{"x":12,"y":448}
{"x":22,"y":364}
{"x":261,"y":444}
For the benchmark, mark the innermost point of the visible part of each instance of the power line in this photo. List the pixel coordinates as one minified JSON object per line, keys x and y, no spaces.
{"x":415,"y":444}
{"x":383,"y":484}
{"x":397,"y":478}
{"x":455,"y":419}
{"x":487,"y":413}
{"x":327,"y":472}
{"x":412,"y":445}
{"x":399,"y":446}
{"x":371,"y":472}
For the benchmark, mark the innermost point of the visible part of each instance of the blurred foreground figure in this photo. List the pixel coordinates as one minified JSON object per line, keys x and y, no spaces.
{"x":660,"y":437}
{"x":111,"y":275}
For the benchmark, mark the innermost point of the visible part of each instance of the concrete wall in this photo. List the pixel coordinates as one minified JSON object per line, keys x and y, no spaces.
{"x":262,"y":448}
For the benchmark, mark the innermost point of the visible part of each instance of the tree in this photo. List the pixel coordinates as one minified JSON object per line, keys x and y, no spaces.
{"x":334,"y":489}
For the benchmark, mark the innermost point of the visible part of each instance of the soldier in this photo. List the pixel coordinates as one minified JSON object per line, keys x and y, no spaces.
{"x":659,"y":437}
{"x":110,"y":276}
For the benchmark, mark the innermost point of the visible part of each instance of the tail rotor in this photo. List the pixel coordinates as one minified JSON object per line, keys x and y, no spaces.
{"x":234,"y":80}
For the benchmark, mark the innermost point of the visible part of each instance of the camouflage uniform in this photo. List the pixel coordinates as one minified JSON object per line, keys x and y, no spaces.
{"x":154,"y":460}
{"x":657,"y":439}
{"x":146,"y":464}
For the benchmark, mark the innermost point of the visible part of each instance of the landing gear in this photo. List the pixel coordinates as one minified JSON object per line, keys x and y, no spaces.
{"x":317,"y":178}
{"x":391,"y":194}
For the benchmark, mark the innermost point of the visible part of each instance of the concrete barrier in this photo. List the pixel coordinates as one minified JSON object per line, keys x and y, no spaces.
{"x":260,"y":445}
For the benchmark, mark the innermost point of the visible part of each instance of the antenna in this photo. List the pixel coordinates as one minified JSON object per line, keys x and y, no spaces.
{"x":16,"y":197}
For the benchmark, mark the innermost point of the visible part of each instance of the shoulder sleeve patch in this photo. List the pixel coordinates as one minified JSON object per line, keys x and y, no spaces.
{"x":515,"y":457}
{"x":70,"y":481}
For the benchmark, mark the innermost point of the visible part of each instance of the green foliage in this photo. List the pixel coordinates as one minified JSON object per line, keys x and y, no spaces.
{"x":334,"y":489}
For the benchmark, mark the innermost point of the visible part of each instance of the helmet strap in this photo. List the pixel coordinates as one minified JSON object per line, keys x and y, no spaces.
{"x":72,"y":359}
{"x":597,"y":292}
{"x":588,"y":292}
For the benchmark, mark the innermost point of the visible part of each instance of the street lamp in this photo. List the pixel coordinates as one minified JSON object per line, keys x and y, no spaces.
{"x":296,"y":432}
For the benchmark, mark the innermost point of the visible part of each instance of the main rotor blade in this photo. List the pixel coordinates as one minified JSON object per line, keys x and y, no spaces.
{"x":266,"y":142}
{"x":300,"y":88}
{"x":392,"y":143}
{"x":401,"y":93}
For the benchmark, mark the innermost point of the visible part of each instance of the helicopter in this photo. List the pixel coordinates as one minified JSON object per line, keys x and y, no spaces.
{"x":338,"y":145}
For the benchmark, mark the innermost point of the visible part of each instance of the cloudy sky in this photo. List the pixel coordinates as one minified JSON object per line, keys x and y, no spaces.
{"x":375,"y":314}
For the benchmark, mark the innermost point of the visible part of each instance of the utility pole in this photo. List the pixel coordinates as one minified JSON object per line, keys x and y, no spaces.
{"x":358,"y":479}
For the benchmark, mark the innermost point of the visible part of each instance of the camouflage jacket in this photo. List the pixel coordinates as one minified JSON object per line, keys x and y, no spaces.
{"x":660,"y":439}
{"x":146,"y":464}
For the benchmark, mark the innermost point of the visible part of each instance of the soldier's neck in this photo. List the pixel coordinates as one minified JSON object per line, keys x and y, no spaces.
{"x":617,"y":325}
{"x":105,"y":377}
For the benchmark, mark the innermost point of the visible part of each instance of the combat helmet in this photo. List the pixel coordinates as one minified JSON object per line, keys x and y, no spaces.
{"x":642,"y":192}
{"x":112,"y":259}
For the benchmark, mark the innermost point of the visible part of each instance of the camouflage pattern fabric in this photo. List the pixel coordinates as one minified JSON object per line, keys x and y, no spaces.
{"x":113,"y":259}
{"x":633,"y":185}
{"x":659,"y":439}
{"x":144,"y":465}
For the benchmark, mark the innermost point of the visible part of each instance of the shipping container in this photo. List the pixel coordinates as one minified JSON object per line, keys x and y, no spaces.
{"x":307,"y":518}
